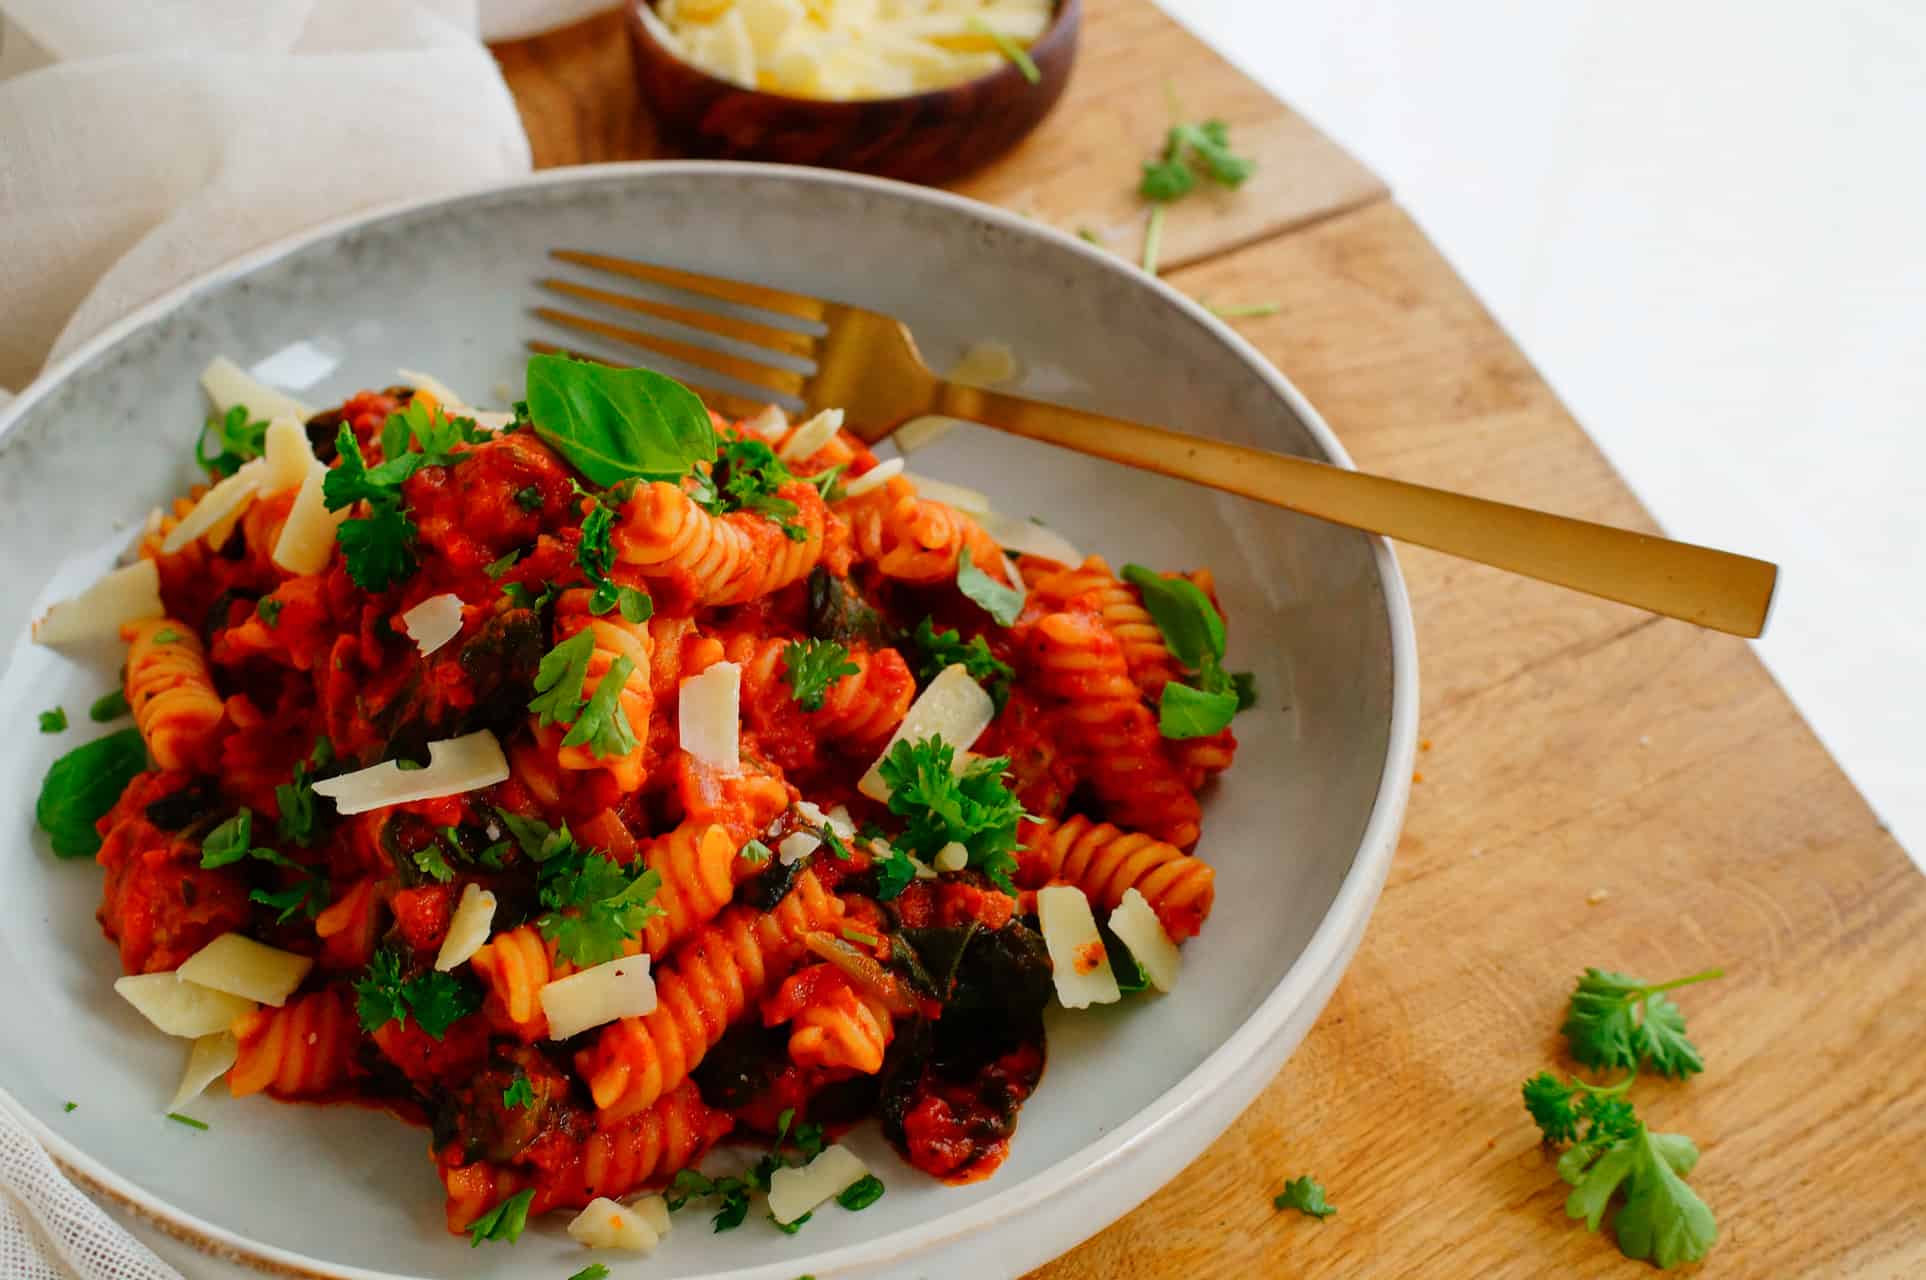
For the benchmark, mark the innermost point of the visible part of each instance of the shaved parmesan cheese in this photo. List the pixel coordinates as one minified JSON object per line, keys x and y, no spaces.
{"x":224,"y":501}
{"x":208,"y":1059}
{"x":1078,"y":963}
{"x":1138,"y":928}
{"x":451,"y":404}
{"x":455,"y":765}
{"x":605,"y":1224}
{"x":953,"y":856}
{"x":246,"y":968}
{"x":840,"y":822}
{"x":986,"y":364}
{"x":468,"y":928}
{"x":307,"y":536}
{"x":181,"y":1008}
{"x":794,"y":1192}
{"x":955,"y":495}
{"x":227,"y":385}
{"x":812,"y":435}
{"x":655,"y":1212}
{"x":1027,"y":537}
{"x":617,"y":989}
{"x":771,"y":424}
{"x":874,"y":478}
{"x":128,"y":594}
{"x":288,"y":455}
{"x":797,"y":846}
{"x":954,"y":708}
{"x":921,"y":433}
{"x":434,"y":622}
{"x":709,"y":716}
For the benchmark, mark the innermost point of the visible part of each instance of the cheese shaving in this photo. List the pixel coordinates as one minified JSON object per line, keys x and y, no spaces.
{"x":811,"y":436}
{"x":468,"y":928}
{"x":240,"y":966}
{"x":455,"y":765}
{"x":794,"y":1192}
{"x":308,"y":534}
{"x":954,"y":708}
{"x":709,"y":716}
{"x":1078,"y":963}
{"x":874,"y":478}
{"x":597,"y":996}
{"x":219,"y":506}
{"x":128,"y":594}
{"x":434,"y":622}
{"x":227,"y":385}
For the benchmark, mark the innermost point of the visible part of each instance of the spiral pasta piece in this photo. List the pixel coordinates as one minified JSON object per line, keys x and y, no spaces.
{"x":728,"y":559}
{"x":612,"y":1161}
{"x":515,"y":965}
{"x":835,"y":1027}
{"x":1080,"y":663}
{"x":860,"y":709}
{"x":615,"y":638}
{"x":1106,"y":861}
{"x":1124,"y":616}
{"x":171,"y":691}
{"x":346,"y":927}
{"x":699,"y":870}
{"x":300,"y":1050}
{"x":914,"y":539}
{"x":709,"y":983}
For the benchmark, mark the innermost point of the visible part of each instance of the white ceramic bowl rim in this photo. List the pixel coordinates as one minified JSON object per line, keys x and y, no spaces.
{"x":1356,"y":894}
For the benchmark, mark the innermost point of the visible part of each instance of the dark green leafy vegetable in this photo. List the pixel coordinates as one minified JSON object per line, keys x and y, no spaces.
{"x":1000,"y":602}
{"x":233,"y":840}
{"x":617,"y":424}
{"x":837,"y":612}
{"x":1193,"y":631}
{"x":1619,"y":1021}
{"x":82,"y":786}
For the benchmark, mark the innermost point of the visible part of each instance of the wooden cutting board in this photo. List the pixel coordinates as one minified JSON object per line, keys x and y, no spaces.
{"x":1599,"y":787}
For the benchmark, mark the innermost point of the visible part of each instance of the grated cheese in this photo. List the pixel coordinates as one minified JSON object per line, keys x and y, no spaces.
{"x":709,"y":716}
{"x":181,"y":1008}
{"x":812,"y":435}
{"x":246,"y":968}
{"x":434,"y":622}
{"x":468,"y":928}
{"x":455,"y":765}
{"x":796,"y":846}
{"x":208,"y":1059}
{"x":794,"y":1192}
{"x":595,"y":996}
{"x":605,"y":1224}
{"x":1078,"y":964}
{"x":128,"y":594}
{"x":218,"y":508}
{"x":288,"y":455}
{"x":307,"y":536}
{"x":227,"y":385}
{"x":1138,"y":928}
{"x":954,"y":707}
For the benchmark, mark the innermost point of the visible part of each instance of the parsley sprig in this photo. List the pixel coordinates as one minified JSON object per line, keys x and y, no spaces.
{"x":745,"y":477}
{"x":435,"y":1000}
{"x":236,"y":440}
{"x":811,"y":666}
{"x":599,"y":722}
{"x":379,"y":547}
{"x":233,"y":841}
{"x":504,"y":1222}
{"x":936,"y":650}
{"x":974,"y":808}
{"x":1193,"y":631}
{"x":295,"y":798}
{"x":1619,"y":1021}
{"x":594,"y":904}
{"x":732,"y":1193}
{"x":596,"y":557}
{"x":1191,"y":150}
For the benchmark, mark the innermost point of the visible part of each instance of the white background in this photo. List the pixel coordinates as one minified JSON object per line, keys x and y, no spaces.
{"x":1705,"y":222}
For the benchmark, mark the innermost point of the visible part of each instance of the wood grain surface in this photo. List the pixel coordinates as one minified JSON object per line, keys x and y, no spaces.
{"x":1601,"y":787}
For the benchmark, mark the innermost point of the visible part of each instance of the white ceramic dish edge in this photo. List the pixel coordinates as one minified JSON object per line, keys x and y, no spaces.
{"x":1169,"y":1133}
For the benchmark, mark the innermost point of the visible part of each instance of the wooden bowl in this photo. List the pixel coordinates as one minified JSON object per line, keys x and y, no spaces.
{"x":931,"y":137}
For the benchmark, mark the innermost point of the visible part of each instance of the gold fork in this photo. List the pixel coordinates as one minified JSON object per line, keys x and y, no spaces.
{"x":867,"y":364}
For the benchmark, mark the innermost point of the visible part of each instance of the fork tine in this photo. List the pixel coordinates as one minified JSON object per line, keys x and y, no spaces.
{"x":798,"y":305}
{"x":787,"y":341}
{"x":783,"y":381}
{"x":727,"y":403}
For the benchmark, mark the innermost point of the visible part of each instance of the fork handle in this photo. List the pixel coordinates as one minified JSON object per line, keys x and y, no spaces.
{"x":1711,"y":588}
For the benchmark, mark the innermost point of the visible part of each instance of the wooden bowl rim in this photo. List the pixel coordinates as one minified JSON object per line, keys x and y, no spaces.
{"x":1067,"y":15}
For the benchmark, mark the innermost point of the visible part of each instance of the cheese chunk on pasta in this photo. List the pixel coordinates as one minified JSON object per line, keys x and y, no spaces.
{"x":954,"y":708}
{"x":1137,"y":927}
{"x":246,"y":968}
{"x":455,"y":766}
{"x":218,"y":508}
{"x":128,"y":594}
{"x":794,"y":1192}
{"x":227,"y":385}
{"x":307,"y":536}
{"x":181,"y":1008}
{"x":208,"y":1059}
{"x":288,"y":455}
{"x":434,"y":622}
{"x":1078,"y":963}
{"x":709,"y":716}
{"x":607,"y":1224}
{"x":615,"y":989}
{"x":468,"y":928}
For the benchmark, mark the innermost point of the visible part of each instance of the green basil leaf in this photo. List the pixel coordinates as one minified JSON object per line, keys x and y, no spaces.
{"x":1184,"y":712}
{"x":1000,"y":602}
{"x":83,"y":785}
{"x":1192,"y":628}
{"x":618,"y":424}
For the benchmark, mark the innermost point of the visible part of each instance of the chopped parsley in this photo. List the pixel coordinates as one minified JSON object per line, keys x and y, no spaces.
{"x":430,"y":861}
{"x":862,"y":1193}
{"x":754,"y":851}
{"x":1618,"y":1021}
{"x":504,"y":1222}
{"x":519,"y":1093}
{"x":54,"y":721}
{"x":811,"y":666}
{"x":236,"y":440}
{"x":1191,"y":150}
{"x":974,"y":808}
{"x":894,"y":871}
{"x":295,"y":798}
{"x":558,"y":679}
{"x":596,"y":556}
{"x":529,"y":498}
{"x":593,"y":1271}
{"x":189,"y":1121}
{"x":1000,"y":602}
{"x":1306,"y":1195}
{"x":732,"y":1193}
{"x":603,"y":727}
{"x":435,"y":1000}
{"x":939,"y":649}
{"x":70,"y":1106}
{"x":496,"y":568}
{"x":268,"y":610}
{"x":108,"y":707}
{"x":1193,"y":631}
{"x":594,"y":904}
{"x":745,"y":477}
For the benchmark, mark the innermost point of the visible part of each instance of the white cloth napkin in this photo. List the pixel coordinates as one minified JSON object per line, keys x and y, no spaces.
{"x":142,"y":143}
{"x":145,"y":141}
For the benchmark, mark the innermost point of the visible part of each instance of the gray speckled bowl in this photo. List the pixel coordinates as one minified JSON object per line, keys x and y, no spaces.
{"x":1301,"y":831}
